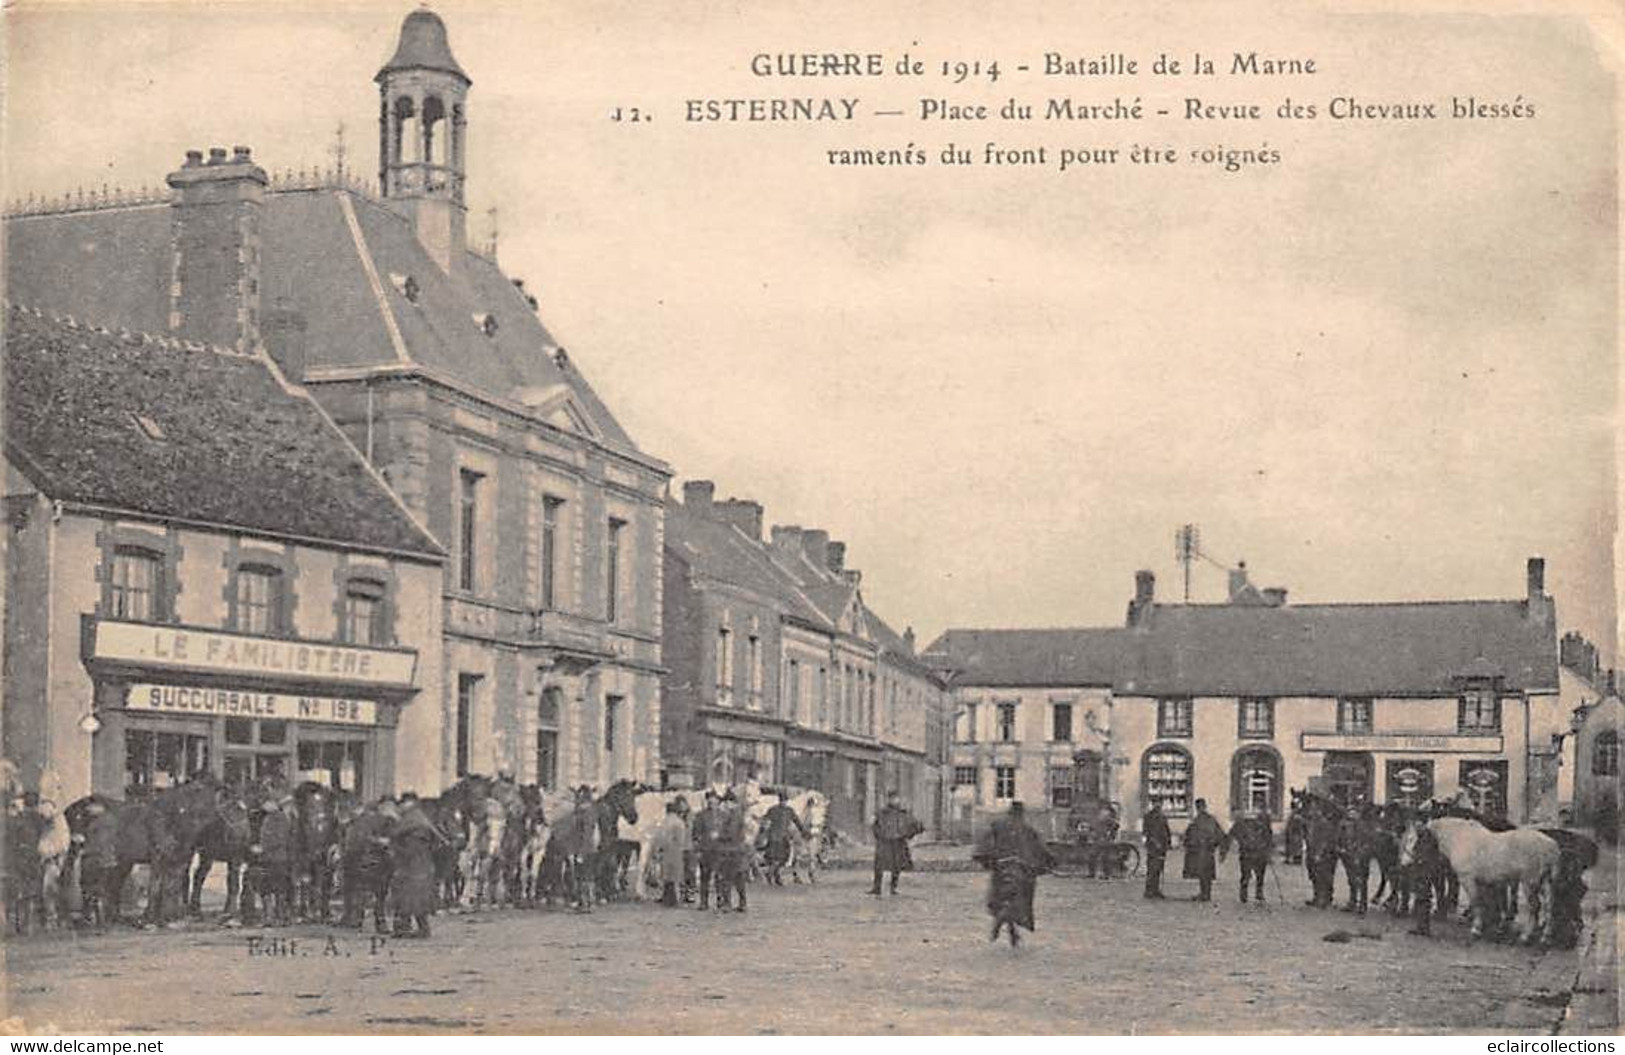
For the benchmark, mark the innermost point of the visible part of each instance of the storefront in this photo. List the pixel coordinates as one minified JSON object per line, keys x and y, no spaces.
{"x":1414,"y":768}
{"x":173,"y":702}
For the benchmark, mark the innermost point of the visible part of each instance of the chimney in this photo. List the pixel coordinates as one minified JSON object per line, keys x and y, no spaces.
{"x":1537,"y":604}
{"x":815,"y":543}
{"x":1238,"y":581}
{"x":1145,"y":595}
{"x":283,"y":331}
{"x":1275,"y":596}
{"x":215,"y":270}
{"x":743,"y":514}
{"x":908,"y":640}
{"x":852,"y":576}
{"x":837,"y":557}
{"x":697,"y":496}
{"x":786,"y":541}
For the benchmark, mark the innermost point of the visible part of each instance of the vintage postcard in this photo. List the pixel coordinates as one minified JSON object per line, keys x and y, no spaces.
{"x":845,"y":518}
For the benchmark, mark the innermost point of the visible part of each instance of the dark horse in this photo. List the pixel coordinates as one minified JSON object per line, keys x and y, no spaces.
{"x":315,"y":849}
{"x":614,"y":853}
{"x":452,"y":815}
{"x":162,"y":833}
{"x":225,"y":839}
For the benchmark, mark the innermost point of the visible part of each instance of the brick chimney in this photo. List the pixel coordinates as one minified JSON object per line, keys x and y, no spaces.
{"x":743,"y":514}
{"x":1537,"y":604}
{"x":815,"y":543}
{"x":698,"y":495}
{"x":786,"y":541}
{"x":1275,"y":596}
{"x":214,"y":290}
{"x":1145,"y":596}
{"x":1238,"y":581}
{"x":837,"y":557}
{"x":908,"y":640}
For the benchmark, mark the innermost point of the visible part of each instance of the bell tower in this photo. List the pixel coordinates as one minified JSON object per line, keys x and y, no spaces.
{"x":423,"y":135}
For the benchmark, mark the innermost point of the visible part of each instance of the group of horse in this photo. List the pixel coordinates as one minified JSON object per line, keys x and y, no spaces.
{"x":499,"y":843}
{"x":1444,"y":855}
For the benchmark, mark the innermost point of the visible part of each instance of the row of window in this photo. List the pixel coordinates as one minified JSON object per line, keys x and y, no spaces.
{"x":1168,"y":775}
{"x":136,"y":590}
{"x":1477,"y":712}
{"x":470,"y":485}
{"x":549,"y":711}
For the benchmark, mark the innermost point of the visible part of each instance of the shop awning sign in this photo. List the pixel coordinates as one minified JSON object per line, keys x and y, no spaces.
{"x":218,"y":652}
{"x":1409,"y":743}
{"x":236,"y":703}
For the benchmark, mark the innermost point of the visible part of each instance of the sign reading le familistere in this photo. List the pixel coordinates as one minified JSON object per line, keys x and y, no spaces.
{"x":233,"y":703}
{"x":214,"y":652}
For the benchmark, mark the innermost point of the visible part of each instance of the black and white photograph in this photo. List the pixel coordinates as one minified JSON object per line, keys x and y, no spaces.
{"x":789,"y":519}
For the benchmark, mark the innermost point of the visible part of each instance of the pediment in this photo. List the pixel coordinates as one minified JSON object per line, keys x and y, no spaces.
{"x":558,"y":406}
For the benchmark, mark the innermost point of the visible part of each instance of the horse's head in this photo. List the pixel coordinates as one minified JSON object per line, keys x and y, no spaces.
{"x":622,"y":797}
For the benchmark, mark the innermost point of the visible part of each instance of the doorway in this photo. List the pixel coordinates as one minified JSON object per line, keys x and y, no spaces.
{"x":1347,"y":777}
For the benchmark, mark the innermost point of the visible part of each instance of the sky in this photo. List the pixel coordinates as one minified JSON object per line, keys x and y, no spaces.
{"x":1384,"y":368}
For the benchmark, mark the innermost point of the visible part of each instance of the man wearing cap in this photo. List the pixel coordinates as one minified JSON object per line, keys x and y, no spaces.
{"x":893,"y":828}
{"x":706,"y":837}
{"x":412,"y":845}
{"x":1254,"y":840}
{"x":1203,"y":837}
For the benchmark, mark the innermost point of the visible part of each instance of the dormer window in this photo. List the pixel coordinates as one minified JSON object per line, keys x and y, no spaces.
{"x":561,"y":359}
{"x":486,"y":322}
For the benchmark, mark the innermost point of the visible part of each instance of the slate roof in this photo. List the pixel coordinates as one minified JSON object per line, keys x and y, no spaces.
{"x":235,"y":445}
{"x":716,"y":549}
{"x":111,"y":267}
{"x":1062,"y":656}
{"x":1398,"y":649}
{"x":423,"y":46}
{"x":1395,"y":650}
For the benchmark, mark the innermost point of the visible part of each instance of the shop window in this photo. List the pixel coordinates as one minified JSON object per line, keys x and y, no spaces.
{"x":964,"y":776}
{"x":1004,"y":782}
{"x":468,"y":687}
{"x":1605,"y":754}
{"x":1168,"y":775}
{"x":256,"y":750}
{"x":1255,"y":719}
{"x":155,"y":759}
{"x":134,"y":585}
{"x":364,"y":621}
{"x":259,"y":599}
{"x":339,"y":763}
{"x":1486,"y":786}
{"x":1061,"y":723}
{"x":1174,"y":717}
{"x":1354,"y":716}
{"x":1256,"y":782}
{"x":1409,"y":781}
{"x":1007,"y":722}
{"x":1060,"y":787}
{"x":1478,"y":711}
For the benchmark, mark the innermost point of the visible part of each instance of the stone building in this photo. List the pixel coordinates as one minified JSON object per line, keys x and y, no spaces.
{"x":778,"y":671}
{"x":1238,"y":702}
{"x":172,"y":611}
{"x":435,"y":365}
{"x":1599,"y":795}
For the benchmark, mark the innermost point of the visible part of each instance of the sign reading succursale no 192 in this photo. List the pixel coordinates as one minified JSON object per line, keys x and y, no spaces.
{"x":236,"y":703}
{"x":183,"y":648}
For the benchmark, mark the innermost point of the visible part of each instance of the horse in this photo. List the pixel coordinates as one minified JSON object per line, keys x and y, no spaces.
{"x":565,"y":869}
{"x":487,"y":833}
{"x":315,"y":847}
{"x":806,"y":853}
{"x":161,"y":833}
{"x":651,"y":808}
{"x":225,"y":839}
{"x":522,"y":846}
{"x":1481,"y":858}
{"x":614,"y":854}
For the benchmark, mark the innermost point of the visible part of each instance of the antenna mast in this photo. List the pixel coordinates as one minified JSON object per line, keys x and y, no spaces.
{"x":1187,"y":547}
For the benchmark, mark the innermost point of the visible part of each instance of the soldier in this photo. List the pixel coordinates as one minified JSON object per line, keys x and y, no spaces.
{"x":779,"y":828}
{"x":893,"y":828}
{"x":1254,"y":840}
{"x":1356,"y":843}
{"x":1294,"y":837}
{"x":732,"y":854}
{"x":707,"y":833}
{"x":366,"y":865}
{"x":1203,"y":836}
{"x":1320,"y":854}
{"x":1154,"y":827}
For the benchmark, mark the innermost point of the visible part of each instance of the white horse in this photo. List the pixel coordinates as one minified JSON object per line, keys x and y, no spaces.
{"x":484,"y":852}
{"x":1481,"y":857}
{"x":651,"y":807}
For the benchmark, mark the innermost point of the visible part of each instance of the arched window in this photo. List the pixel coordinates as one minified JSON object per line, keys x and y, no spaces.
{"x":407,"y":131}
{"x":1168,"y":775}
{"x":1255,"y":781}
{"x":434,"y":144}
{"x":1605,"y":754}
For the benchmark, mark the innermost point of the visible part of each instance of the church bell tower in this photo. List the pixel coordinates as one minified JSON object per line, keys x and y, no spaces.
{"x":423,"y":136}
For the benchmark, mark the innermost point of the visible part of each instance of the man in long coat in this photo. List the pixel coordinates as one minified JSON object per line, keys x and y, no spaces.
{"x":1016,"y":856}
{"x":893,"y":828}
{"x":1320,"y":853}
{"x":706,"y":837}
{"x":732,"y":853}
{"x":666,"y":850}
{"x":1356,"y":844}
{"x":365,"y":863}
{"x":1203,"y":837}
{"x":412,"y":877}
{"x":780,"y":826}
{"x":1154,"y":828}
